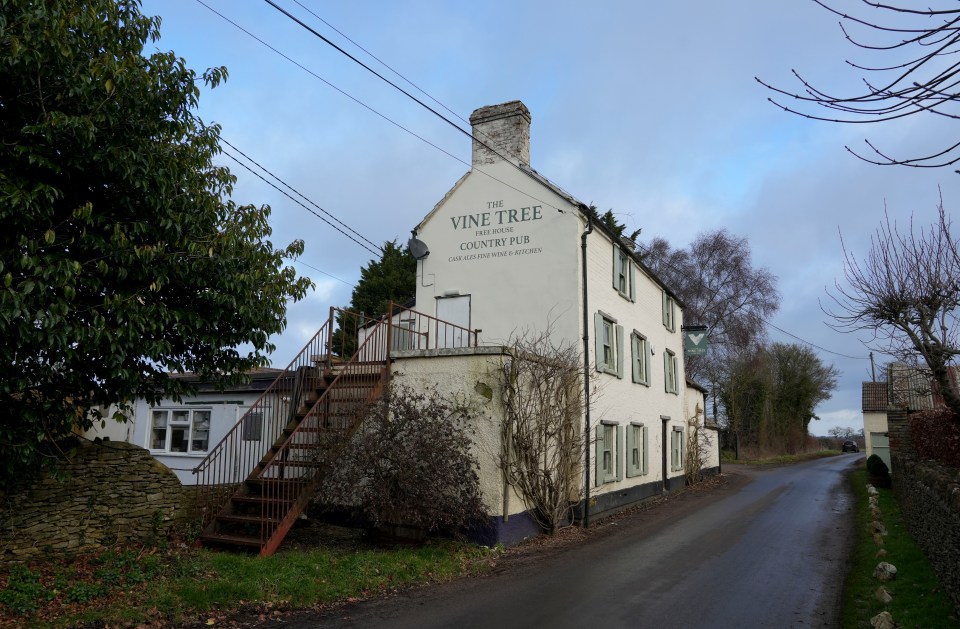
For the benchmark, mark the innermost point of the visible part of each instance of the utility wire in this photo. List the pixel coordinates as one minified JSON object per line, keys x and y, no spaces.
{"x":393,"y":122}
{"x":310,"y":266}
{"x":822,"y":349}
{"x":381,"y":61}
{"x":433,"y":111}
{"x":298,"y":193}
{"x":300,"y":203}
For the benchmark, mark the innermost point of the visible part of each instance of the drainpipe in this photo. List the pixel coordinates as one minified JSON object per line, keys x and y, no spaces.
{"x":586,"y":376}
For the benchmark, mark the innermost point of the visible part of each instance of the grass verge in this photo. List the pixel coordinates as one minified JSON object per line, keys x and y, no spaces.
{"x":779,"y":459}
{"x":129,"y":587}
{"x":918,"y":600}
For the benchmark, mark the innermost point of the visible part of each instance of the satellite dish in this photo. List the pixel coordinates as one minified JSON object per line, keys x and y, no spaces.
{"x":418,"y":248}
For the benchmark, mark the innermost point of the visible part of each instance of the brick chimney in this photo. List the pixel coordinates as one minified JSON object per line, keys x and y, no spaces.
{"x":505,"y":128}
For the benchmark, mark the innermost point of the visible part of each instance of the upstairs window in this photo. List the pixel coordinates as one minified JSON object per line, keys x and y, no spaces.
{"x":669,"y":312}
{"x":670,"y":384}
{"x":640,"y":357}
{"x":623,"y":274}
{"x":609,"y":345}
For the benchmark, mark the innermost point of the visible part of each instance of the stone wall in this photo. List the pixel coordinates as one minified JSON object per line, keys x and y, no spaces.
{"x":929,"y":497}
{"x":111,"y":493}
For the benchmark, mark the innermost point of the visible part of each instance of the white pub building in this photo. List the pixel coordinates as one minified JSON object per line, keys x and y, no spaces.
{"x":506,"y":252}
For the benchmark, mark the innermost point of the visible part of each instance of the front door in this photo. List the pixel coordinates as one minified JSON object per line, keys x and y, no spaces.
{"x":456,"y":311}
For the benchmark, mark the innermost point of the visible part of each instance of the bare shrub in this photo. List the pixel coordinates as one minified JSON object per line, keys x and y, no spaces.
{"x":541,"y":438}
{"x":410,"y":463}
{"x":699,"y":446}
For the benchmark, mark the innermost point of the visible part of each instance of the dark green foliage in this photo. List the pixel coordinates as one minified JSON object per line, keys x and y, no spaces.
{"x":392,"y":278}
{"x":609,"y":220}
{"x":121,"y":255}
{"x":771,"y":394}
{"x":876,"y":467}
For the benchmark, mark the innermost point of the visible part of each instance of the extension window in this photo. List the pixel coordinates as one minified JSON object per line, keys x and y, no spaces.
{"x":180,"y":430}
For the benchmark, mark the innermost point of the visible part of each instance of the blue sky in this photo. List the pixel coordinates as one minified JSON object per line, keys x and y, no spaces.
{"x":648,"y":108}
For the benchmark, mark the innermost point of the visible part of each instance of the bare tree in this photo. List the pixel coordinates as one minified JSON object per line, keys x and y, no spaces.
{"x":906,"y":293}
{"x":541,"y":438}
{"x":920,"y":78}
{"x":720,"y":288}
{"x":699,"y":446}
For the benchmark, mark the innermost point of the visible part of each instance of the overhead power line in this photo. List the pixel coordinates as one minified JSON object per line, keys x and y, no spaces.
{"x":302,"y":196}
{"x":387,"y":118}
{"x":300,"y":203}
{"x":467,"y":133}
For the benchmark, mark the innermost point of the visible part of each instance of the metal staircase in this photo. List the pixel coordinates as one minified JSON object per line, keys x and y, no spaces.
{"x":259,"y":478}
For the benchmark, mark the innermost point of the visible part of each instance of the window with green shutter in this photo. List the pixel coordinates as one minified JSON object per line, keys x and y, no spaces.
{"x":609,"y":446}
{"x":670,"y":384}
{"x":676,"y":449}
{"x":669,"y":312}
{"x":640,"y":358}
{"x":636,"y":450}
{"x":609,"y":345}
{"x":624,"y":276}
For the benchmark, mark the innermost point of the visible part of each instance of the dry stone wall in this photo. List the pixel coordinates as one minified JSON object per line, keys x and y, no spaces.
{"x":929,"y":497}
{"x":109,"y":493}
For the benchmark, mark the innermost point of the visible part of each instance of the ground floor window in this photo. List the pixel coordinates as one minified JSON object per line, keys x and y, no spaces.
{"x":609,"y":445}
{"x":180,"y":430}
{"x":637,"y":439}
{"x":676,"y":449}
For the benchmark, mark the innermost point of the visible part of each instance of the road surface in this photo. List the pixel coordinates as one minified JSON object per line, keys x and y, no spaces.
{"x":770,"y":550}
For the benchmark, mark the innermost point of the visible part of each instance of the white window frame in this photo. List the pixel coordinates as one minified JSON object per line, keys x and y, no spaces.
{"x":677,"y":446}
{"x":609,"y":446}
{"x":669,"y":312}
{"x":624,"y":277}
{"x":670,"y":384}
{"x":609,"y":344}
{"x":640,"y":358}
{"x":177,"y":419}
{"x":638,"y":439}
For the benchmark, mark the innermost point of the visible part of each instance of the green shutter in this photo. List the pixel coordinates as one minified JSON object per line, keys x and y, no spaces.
{"x":666,"y":372}
{"x":634,"y":355}
{"x":633,"y":291}
{"x":646,"y":445}
{"x":619,"y":343}
{"x":598,"y":453}
{"x":631,"y":444}
{"x":618,"y":455}
{"x":616,"y":271}
{"x":598,"y":344}
{"x":663,"y":307}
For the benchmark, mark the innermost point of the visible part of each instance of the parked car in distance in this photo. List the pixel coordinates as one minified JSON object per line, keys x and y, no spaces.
{"x":850,"y":446}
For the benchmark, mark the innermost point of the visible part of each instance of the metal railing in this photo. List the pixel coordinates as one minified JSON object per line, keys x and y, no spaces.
{"x":230,"y":461}
{"x":302,"y":423}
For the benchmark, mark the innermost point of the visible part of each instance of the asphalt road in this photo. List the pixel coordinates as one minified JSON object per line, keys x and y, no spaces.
{"x":769,"y":551}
